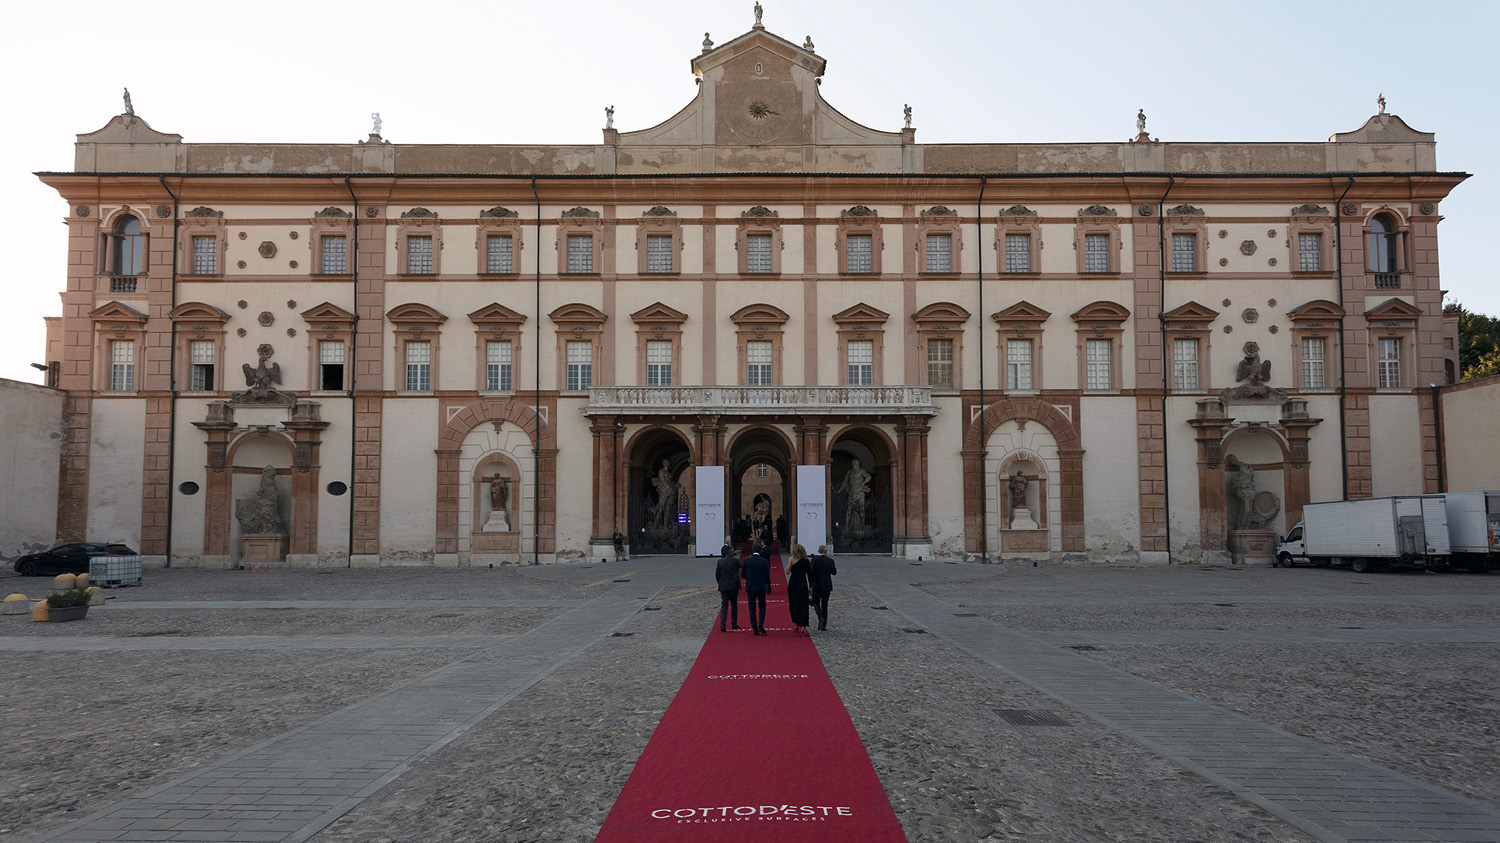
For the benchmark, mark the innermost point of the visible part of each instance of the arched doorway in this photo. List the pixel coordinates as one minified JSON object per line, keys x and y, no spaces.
{"x":860,"y":507}
{"x":660,"y":493}
{"x":760,"y":479}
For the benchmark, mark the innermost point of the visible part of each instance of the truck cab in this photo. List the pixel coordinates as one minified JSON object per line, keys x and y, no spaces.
{"x":1292,"y":550}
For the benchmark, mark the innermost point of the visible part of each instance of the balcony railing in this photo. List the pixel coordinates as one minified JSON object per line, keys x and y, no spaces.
{"x":122,"y":283}
{"x":1387,"y":280}
{"x":760,"y":400}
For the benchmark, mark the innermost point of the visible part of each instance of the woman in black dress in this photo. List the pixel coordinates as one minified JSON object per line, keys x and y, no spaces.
{"x":798,"y":587}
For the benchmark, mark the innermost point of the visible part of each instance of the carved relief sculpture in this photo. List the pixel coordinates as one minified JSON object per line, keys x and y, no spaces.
{"x":259,"y":380}
{"x":261,"y":512}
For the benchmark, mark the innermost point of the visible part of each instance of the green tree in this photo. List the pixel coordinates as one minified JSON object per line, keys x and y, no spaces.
{"x":1478,"y":343}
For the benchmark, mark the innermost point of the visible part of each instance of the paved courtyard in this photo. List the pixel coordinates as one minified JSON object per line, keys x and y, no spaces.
{"x":996,"y":702}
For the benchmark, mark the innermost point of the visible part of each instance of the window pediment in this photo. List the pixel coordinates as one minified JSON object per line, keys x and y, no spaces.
{"x":1316,"y":310}
{"x":578,"y":313}
{"x":658,"y":313}
{"x":1190,"y":312}
{"x":328,"y":313}
{"x":197,"y":311}
{"x":759,"y":314}
{"x":414,"y":313}
{"x":496,"y":315}
{"x":1393,"y":310}
{"x":861,"y":313}
{"x":1022,"y":313}
{"x":117,"y":312}
{"x":1102,"y":312}
{"x":944,"y":311}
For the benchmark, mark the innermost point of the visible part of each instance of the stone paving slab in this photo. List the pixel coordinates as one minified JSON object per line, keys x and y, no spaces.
{"x":303,"y":780}
{"x":259,"y":642}
{"x":1268,"y":636}
{"x":1329,"y":795}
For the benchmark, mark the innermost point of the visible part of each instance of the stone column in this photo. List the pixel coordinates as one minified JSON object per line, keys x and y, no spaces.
{"x":1298,"y":427}
{"x":218,"y":494}
{"x":607,"y":497}
{"x":1210,"y":423}
{"x":915,"y":539}
{"x":305,"y":427}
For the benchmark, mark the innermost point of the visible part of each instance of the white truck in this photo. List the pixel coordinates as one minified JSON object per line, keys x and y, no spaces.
{"x":1407,"y":531}
{"x":1474,"y":529}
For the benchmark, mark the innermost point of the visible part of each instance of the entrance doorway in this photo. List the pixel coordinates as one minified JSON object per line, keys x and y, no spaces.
{"x":760,"y":474}
{"x":660,"y":488}
{"x":861,"y":511}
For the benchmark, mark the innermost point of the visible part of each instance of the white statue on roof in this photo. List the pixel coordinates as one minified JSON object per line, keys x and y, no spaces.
{"x":129,"y":109}
{"x":758,"y":24}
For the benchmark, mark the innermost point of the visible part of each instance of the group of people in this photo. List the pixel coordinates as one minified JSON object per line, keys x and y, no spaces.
{"x":809,"y":582}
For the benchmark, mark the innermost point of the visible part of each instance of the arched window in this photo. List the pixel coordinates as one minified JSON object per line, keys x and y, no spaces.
{"x":1383,"y":244}
{"x":129,"y":248}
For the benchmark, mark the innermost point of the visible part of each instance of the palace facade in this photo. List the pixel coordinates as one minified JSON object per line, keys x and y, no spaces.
{"x":759,"y":284}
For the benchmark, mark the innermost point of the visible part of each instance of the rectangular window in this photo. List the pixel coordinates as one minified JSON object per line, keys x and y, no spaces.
{"x":330,"y":364}
{"x":419,"y":254}
{"x":1184,"y":364}
{"x":940,"y":363}
{"x":497,"y":365}
{"x":121,"y":366}
{"x":758,"y":253}
{"x":1389,"y":360}
{"x":1313,"y":376}
{"x":335,"y":254}
{"x":1184,"y":253}
{"x":419,"y":366}
{"x":1096,"y":253}
{"x":1017,"y":253}
{"x":861,"y":363}
{"x":1018,"y":364}
{"x":1310,"y":252}
{"x":1100,"y":375}
{"x":859,"y":248}
{"x":580,"y":253}
{"x":658,"y":363}
{"x":658,"y":253}
{"x":758,"y":363}
{"x":205,"y":255}
{"x":580,"y":365}
{"x":497,"y":254}
{"x":939,"y":253}
{"x":201,"y":360}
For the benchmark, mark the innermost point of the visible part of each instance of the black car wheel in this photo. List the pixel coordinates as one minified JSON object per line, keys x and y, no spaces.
{"x":27,"y":568}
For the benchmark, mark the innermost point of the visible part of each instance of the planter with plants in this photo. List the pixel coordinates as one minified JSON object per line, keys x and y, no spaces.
{"x":70,"y":605}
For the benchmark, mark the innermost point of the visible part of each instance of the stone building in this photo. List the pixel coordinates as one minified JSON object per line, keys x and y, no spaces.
{"x":757,"y":283}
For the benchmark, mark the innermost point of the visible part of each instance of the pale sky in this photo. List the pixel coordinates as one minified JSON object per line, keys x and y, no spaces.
{"x":509,"y":72}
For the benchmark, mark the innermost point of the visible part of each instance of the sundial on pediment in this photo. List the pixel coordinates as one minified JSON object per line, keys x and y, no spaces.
{"x":758,"y":101}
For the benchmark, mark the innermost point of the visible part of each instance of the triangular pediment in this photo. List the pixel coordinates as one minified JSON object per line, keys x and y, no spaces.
{"x":1022,"y":311}
{"x":1102,"y":311}
{"x":862,"y":313}
{"x":415,"y":313}
{"x":1393,"y":310}
{"x":658,"y":313}
{"x":495,"y":314}
{"x":327,"y":313}
{"x":759,"y":313}
{"x":197,"y":311}
{"x":1317,"y":310}
{"x":578,"y":313}
{"x":117,"y":312}
{"x":1191,"y":312}
{"x":758,"y":39}
{"x":942,"y":311}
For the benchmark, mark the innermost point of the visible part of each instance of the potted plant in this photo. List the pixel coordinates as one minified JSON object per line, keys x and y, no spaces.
{"x":70,"y":605}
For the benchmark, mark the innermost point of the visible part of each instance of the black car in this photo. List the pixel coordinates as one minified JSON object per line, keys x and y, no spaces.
{"x":67,"y":558}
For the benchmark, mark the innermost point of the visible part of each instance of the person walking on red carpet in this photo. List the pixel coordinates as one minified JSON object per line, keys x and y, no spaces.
{"x":727,"y":574}
{"x":757,"y":582}
{"x":823,"y":572}
{"x":798,"y":571}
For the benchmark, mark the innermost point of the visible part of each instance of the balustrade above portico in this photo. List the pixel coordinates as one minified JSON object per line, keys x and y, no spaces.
{"x":761,"y":400}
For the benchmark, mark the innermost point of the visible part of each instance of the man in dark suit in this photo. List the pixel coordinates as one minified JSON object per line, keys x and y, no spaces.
{"x":757,"y":583}
{"x":727,"y":573}
{"x":823,"y":572}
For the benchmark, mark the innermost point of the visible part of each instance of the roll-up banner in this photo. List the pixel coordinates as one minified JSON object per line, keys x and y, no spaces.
{"x":812,"y":506}
{"x":708,"y":512}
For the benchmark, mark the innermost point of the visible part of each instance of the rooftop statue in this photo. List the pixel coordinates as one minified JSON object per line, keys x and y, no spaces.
{"x":1380,"y":104}
{"x":758,"y":24}
{"x":907,"y":112}
{"x":129,"y":109}
{"x":609,"y":117}
{"x":1140,"y":121}
{"x":375,"y":130}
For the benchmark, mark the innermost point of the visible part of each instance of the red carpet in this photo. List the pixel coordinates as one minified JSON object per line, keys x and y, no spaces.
{"x":756,"y":746}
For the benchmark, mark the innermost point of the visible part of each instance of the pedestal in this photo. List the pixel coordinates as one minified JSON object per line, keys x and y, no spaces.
{"x":1024,"y":541}
{"x":1021,"y":519}
{"x":498,"y":522}
{"x":1252,"y":547}
{"x":258,"y":550}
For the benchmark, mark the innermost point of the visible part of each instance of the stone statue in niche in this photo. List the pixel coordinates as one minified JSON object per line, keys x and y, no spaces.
{"x":666,"y":496}
{"x":1257,"y":508}
{"x":1020,"y":513}
{"x":499,"y":520}
{"x":261,"y":513}
{"x":856,"y":488}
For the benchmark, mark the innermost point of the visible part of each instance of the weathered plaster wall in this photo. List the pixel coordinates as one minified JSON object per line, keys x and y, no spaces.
{"x":1470,"y":446}
{"x":31,"y":440}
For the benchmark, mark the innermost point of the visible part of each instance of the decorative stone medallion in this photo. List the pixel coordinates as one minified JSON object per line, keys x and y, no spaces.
{"x":243,"y":304}
{"x":1250,"y":315}
{"x":371,"y":210}
{"x":292,"y":234}
{"x":82,"y":210}
{"x":267,"y":249}
{"x":1427,"y":208}
{"x":240,"y":264}
{"x":239,"y":332}
{"x":266,"y":318}
{"x":1350,"y":209}
{"x":1146,"y":210}
{"x":164,"y":211}
{"x":1247,"y":247}
{"x":1223,"y":261}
